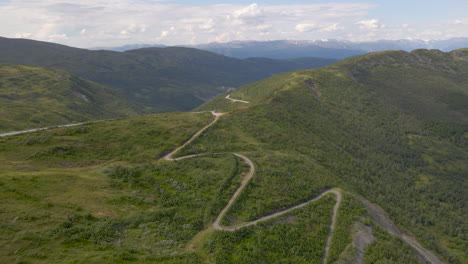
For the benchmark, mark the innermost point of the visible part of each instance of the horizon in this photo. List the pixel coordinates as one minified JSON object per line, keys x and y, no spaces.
{"x":242,"y":41}
{"x":100,"y":23}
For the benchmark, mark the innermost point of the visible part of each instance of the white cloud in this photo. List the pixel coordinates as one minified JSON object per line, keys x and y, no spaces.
{"x":251,"y":11}
{"x":331,"y":28}
{"x":56,"y":37}
{"x":164,"y":33}
{"x":88,"y":23}
{"x":369,"y":24}
{"x":23,"y":35}
{"x":458,"y":22}
{"x":305,"y":27}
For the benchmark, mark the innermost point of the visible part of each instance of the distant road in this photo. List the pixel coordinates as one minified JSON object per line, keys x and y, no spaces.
{"x":236,"y":100}
{"x":37,"y":129}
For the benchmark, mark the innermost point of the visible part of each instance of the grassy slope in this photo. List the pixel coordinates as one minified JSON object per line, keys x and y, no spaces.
{"x":158,"y":79}
{"x":36,"y":97}
{"x":391,"y":126}
{"x":93,"y":194}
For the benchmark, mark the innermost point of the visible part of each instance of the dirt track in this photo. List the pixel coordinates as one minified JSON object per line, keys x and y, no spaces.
{"x":236,"y":100}
{"x":37,"y":129}
{"x":246,"y":179}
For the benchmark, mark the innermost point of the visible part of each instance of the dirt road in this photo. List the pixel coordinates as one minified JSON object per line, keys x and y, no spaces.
{"x":37,"y":129}
{"x":236,"y":100}
{"x":170,"y":154}
{"x":246,"y":179}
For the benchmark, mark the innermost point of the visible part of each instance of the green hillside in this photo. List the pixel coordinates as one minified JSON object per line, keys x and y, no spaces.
{"x":36,"y":97}
{"x":384,"y":132}
{"x":156,"y":79}
{"x":63,"y":198}
{"x":390,"y":126}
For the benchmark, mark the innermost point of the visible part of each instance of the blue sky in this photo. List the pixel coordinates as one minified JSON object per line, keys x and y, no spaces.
{"x":89,"y":23}
{"x":386,"y":10}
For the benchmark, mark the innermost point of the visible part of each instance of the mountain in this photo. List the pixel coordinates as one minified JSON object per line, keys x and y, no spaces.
{"x":154,"y":79}
{"x":389,"y":126}
{"x":37,"y":97}
{"x":130,"y":47}
{"x":362,"y":161}
{"x":280,"y":49}
{"x":338,"y":49}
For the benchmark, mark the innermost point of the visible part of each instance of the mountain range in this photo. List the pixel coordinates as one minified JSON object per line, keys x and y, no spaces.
{"x":338,"y":49}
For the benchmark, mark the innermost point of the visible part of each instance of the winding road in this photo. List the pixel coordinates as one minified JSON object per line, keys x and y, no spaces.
{"x":246,"y":179}
{"x":170,"y":154}
{"x":379,"y":216}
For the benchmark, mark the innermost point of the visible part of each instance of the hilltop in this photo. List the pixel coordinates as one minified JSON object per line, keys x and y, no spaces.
{"x":154,"y":79}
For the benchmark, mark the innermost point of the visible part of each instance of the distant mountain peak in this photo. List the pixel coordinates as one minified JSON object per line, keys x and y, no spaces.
{"x":328,"y":48}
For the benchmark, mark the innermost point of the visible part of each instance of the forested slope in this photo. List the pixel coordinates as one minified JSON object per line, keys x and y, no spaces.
{"x":390,"y":126}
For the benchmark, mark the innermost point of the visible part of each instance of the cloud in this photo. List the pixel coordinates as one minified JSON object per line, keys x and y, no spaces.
{"x":55,"y":37}
{"x":305,"y":27}
{"x":331,"y":28}
{"x":369,"y":24}
{"x":251,"y":11}
{"x":90,"y":23}
{"x":23,"y":35}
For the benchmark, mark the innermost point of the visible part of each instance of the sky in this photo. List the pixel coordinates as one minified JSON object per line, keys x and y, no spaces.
{"x":108,"y":23}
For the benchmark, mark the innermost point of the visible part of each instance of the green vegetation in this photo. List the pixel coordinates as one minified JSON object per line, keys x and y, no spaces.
{"x":145,"y":213}
{"x":374,"y":125}
{"x":54,"y":210}
{"x":350,"y":212}
{"x":389,"y":249}
{"x":383,"y":126}
{"x":154,"y":79}
{"x":137,"y":140}
{"x":297,"y":237}
{"x":36,"y":97}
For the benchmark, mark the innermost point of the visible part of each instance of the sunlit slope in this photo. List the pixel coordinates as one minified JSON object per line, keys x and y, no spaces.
{"x":390,"y":126}
{"x":35,"y":97}
{"x":91,"y":193}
